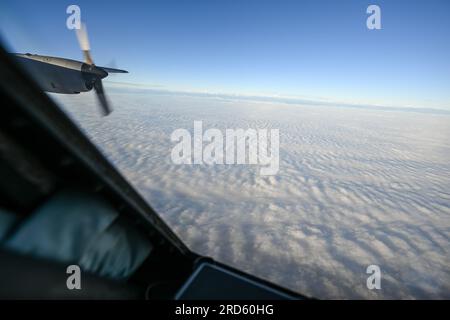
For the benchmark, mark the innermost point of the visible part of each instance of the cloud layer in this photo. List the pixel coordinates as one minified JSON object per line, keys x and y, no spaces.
{"x":355,"y":187}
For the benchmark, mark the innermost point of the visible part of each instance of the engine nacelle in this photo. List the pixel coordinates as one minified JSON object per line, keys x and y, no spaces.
{"x":60,"y":75}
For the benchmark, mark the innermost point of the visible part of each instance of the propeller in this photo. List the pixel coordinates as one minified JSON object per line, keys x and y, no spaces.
{"x":93,"y":74}
{"x":98,"y":87}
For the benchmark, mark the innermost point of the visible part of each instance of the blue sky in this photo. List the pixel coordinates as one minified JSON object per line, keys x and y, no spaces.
{"x":314,"y":49}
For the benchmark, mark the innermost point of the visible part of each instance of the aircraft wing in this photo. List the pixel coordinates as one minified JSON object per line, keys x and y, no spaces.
{"x":112,"y":70}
